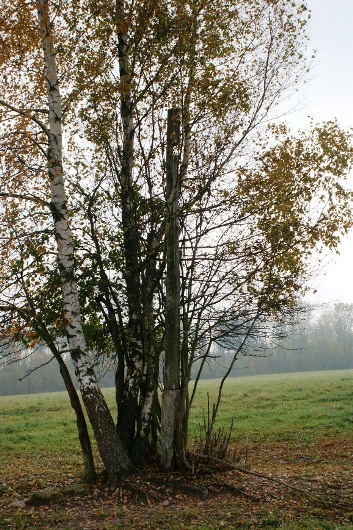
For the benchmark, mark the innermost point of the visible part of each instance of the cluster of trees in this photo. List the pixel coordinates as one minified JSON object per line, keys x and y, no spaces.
{"x":89,"y":226}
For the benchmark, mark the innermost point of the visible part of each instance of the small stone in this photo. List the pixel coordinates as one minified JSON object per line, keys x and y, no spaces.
{"x":17,"y":504}
{"x":165,"y":503}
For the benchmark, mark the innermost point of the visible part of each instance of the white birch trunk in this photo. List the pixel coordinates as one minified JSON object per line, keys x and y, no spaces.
{"x":111,"y":450}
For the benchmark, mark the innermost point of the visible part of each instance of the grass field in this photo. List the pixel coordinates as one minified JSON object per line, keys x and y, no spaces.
{"x":276,"y":407}
{"x":297,"y":427}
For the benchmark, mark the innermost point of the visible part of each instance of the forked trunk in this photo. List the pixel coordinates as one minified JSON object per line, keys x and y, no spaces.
{"x":85,"y":442}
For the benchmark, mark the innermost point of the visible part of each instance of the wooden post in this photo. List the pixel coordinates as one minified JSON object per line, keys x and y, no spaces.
{"x":171,"y":379}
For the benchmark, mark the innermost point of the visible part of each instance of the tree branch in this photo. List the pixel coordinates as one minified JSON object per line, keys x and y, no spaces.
{"x":24,"y":197}
{"x":22,"y":112}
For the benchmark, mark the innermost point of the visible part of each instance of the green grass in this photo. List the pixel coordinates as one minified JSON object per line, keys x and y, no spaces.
{"x":36,"y":423}
{"x":280,"y":407}
{"x":309,"y":405}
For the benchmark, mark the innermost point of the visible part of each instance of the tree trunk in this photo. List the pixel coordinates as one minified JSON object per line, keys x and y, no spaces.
{"x":83,"y":435}
{"x":85,"y":442}
{"x":114,"y":457}
{"x":171,"y":392}
{"x":129,"y":409}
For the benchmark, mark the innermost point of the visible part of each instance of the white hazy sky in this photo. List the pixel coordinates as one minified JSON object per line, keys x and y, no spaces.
{"x":328,"y":95}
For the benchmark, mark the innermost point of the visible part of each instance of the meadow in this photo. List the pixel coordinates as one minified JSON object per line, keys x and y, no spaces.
{"x":296,"y":427}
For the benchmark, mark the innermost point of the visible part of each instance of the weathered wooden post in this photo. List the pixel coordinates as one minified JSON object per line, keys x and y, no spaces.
{"x":171,"y":380}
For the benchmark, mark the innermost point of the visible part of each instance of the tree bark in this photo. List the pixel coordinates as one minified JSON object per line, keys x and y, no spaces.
{"x":114,"y":456}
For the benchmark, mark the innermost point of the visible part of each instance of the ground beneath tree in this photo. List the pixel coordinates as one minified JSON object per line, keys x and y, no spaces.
{"x":320,"y":495}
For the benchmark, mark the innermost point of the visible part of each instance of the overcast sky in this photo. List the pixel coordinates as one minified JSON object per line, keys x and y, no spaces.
{"x":329,"y":94}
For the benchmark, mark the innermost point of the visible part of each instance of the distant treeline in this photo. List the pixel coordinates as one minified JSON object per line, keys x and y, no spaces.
{"x":37,"y":372}
{"x":323,"y":341}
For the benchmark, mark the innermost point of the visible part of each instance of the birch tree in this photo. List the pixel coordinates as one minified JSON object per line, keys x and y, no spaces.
{"x":111,"y":449}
